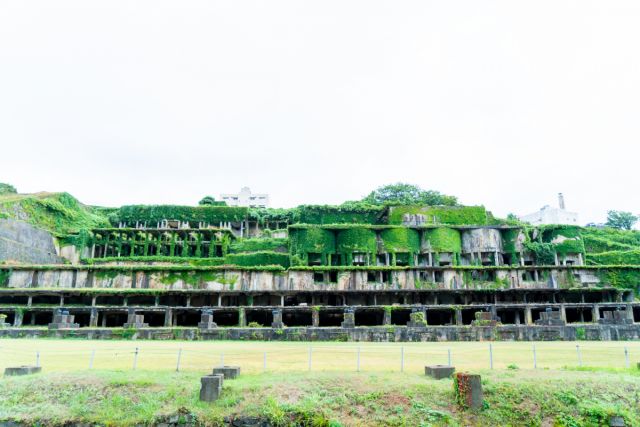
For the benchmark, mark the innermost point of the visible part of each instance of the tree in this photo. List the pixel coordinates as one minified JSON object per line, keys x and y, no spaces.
{"x":7,"y":189}
{"x":408,"y":194}
{"x":207,"y":200}
{"x":621,"y":220}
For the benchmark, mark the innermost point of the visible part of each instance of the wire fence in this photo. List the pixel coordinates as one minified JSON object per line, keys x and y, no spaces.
{"x":368,"y":357}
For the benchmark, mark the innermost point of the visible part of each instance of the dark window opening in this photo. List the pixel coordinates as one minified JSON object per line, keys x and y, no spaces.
{"x":115,"y":320}
{"x":262,"y":317}
{"x":369,"y":317}
{"x":183,"y":318}
{"x":359,"y":259}
{"x":439,"y":317}
{"x":314,"y":259}
{"x":439,"y":276}
{"x":11,"y":314}
{"x":636,"y":314}
{"x":402,"y":259}
{"x":296,"y":300}
{"x":400,"y":317}
{"x":173,"y":300}
{"x":331,"y":318}
{"x":204,"y":300}
{"x":226,"y":318}
{"x":77,"y":300}
{"x":423,"y":260}
{"x":297,"y":318}
{"x":230,"y":301}
{"x":381,"y":259}
{"x":45,"y":300}
{"x":508,"y":317}
{"x":372,"y":276}
{"x":82,"y":318}
{"x":14,"y":300}
{"x":318,"y":277}
{"x":333,"y":277}
{"x":386,"y":277}
{"x":468,"y":315}
{"x":140,"y":300}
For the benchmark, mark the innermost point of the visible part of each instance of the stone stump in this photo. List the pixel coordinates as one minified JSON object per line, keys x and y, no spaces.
{"x":349,"y":318}
{"x":63,"y":320}
{"x":135,"y":321}
{"x":485,"y":318}
{"x":229,"y":372}
{"x":439,"y":372}
{"x":550,"y":317}
{"x":206,"y":320}
{"x":468,"y":390}
{"x":277,"y":319}
{"x":21,"y":370}
{"x":211,"y":387}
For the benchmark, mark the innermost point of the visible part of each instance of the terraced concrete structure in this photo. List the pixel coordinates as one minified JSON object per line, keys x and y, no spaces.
{"x":400,"y":273}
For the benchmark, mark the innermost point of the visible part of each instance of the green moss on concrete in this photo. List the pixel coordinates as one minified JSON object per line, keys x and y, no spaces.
{"x":454,"y":215}
{"x":442,"y":239}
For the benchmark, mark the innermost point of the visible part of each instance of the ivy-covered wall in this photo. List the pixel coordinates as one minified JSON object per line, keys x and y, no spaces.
{"x":400,"y":240}
{"x":320,"y":214}
{"x":258,"y":258}
{"x":311,"y":240}
{"x":356,"y":239}
{"x":615,"y":258}
{"x":453,"y":215}
{"x":255,"y":245}
{"x":442,"y":239}
{"x":566,"y":239}
{"x":192,"y":214}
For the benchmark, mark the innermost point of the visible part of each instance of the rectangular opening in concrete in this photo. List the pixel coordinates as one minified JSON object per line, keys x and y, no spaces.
{"x":261,"y":317}
{"x":297,"y":318}
{"x":185,"y":318}
{"x":107,"y":300}
{"x":297,"y":299}
{"x":331,"y":317}
{"x":204,"y":300}
{"x":468,"y":315}
{"x":37,"y":318}
{"x":636,"y":314}
{"x":231,"y":300}
{"x":13,"y":299}
{"x":509,"y":316}
{"x":440,"y":317}
{"x":45,"y":300}
{"x":172,"y":300}
{"x":226,"y":318}
{"x":11,"y":316}
{"x":81,"y":318}
{"x":359,"y":258}
{"x":423,"y":260}
{"x":386,"y":277}
{"x":77,"y":299}
{"x":381,"y":259}
{"x":535,"y":313}
{"x":402,"y":259}
{"x":439,"y":276}
{"x":372,"y":277}
{"x":141,"y":300}
{"x":368,"y":317}
{"x":314,"y":259}
{"x":318,"y":277}
{"x":114,"y":320}
{"x":333,"y":277}
{"x":400,"y":316}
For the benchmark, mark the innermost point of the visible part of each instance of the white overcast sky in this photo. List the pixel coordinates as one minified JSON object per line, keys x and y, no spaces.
{"x":501,"y":103}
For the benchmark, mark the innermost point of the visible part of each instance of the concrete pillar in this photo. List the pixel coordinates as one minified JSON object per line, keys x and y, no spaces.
{"x":629,"y":310}
{"x":242,"y":317}
{"x":517,"y":317}
{"x":93,"y":301}
{"x":281,"y":300}
{"x":93,"y":318}
{"x":581,"y":315}
{"x":563,"y":312}
{"x":125,"y":301}
{"x":189,"y":301}
{"x":528,"y":316}
{"x":535,"y":275}
{"x":17,"y":318}
{"x":458,"y":317}
{"x":156,"y":301}
{"x":496,"y":259}
{"x":104,"y":320}
{"x":61,"y":300}
{"x":595,"y":313}
{"x":29,"y":301}
{"x":168,"y":317}
{"x":219,"y":300}
{"x":315,"y":317}
{"x":386,"y":318}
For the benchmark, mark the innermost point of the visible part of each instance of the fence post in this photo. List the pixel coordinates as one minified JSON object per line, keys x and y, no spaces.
{"x":490,"y":356}
{"x":449,"y":356}
{"x":626,"y":357}
{"x":222,"y":358}
{"x":579,"y":355}
{"x":402,"y":359}
{"x":264,"y":362}
{"x":310,"y":351}
{"x":535,"y":358}
{"x":93,"y":355}
{"x":135,"y":359}
{"x":358,"y":364}
{"x":37,"y":358}
{"x":179,"y":357}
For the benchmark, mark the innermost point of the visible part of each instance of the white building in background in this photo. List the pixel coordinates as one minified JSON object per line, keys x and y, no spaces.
{"x":246,"y":198}
{"x":551,"y":215}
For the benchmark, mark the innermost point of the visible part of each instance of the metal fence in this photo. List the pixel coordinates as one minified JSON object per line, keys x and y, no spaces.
{"x":367,"y":357}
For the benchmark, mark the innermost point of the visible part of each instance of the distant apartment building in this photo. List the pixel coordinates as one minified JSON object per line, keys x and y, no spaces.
{"x":551,"y":215}
{"x":246,"y":198}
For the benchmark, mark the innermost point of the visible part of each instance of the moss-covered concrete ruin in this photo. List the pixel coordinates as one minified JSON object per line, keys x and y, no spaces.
{"x":308,"y":266}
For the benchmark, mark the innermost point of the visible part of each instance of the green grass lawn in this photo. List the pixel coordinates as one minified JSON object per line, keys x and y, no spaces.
{"x":332,"y":394}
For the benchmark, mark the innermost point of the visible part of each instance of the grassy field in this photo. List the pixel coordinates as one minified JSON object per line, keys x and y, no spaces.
{"x":70,"y":355}
{"x":557,"y":393}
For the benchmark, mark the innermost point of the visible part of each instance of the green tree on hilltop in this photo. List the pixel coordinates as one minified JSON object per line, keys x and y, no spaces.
{"x":7,"y":188}
{"x":408,"y":194}
{"x":621,"y":220}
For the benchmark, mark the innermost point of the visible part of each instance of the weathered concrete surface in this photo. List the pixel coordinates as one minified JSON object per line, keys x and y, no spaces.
{"x":592,"y":332}
{"x":21,"y":370}
{"x":211,"y":387}
{"x":22,"y":242}
{"x":439,"y":372}
{"x":229,"y":372}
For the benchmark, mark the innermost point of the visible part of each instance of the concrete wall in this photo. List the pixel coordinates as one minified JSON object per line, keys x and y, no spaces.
{"x":21,"y":242}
